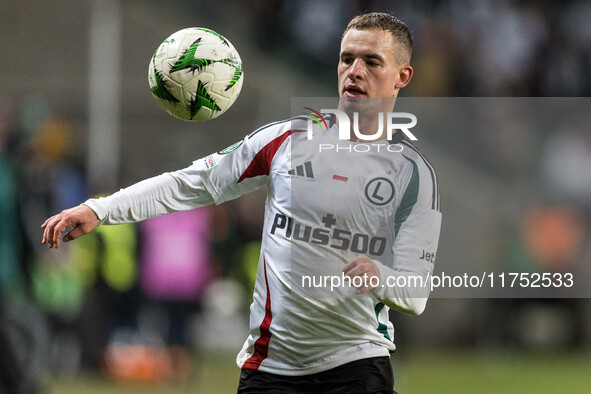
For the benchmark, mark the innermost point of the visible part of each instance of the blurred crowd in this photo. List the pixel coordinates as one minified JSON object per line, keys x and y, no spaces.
{"x":462,"y":48}
{"x":133,"y":301}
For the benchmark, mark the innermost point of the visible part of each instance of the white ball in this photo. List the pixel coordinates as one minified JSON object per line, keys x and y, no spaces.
{"x":195,"y":74}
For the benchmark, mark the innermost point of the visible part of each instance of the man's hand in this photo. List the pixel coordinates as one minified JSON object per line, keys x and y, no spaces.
{"x":82,"y":218}
{"x":364,"y":268}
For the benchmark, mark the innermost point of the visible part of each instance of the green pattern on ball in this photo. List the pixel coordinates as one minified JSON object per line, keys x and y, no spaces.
{"x":237,"y":71}
{"x":160,"y":90}
{"x":218,"y":35}
{"x":202,"y":99}
{"x":188,"y":60}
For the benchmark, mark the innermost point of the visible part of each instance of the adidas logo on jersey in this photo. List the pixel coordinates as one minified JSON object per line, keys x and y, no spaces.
{"x":303,"y":170}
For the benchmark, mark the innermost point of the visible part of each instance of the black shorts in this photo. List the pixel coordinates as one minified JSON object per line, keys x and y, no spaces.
{"x":370,"y":375}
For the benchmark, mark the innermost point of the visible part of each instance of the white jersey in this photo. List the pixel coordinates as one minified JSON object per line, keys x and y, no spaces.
{"x":325,"y":206}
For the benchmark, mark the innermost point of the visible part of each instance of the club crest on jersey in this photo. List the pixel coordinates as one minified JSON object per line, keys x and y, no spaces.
{"x":379,"y":191}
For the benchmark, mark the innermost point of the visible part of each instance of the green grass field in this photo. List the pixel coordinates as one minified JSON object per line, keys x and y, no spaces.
{"x":470,"y":372}
{"x":422,"y":372}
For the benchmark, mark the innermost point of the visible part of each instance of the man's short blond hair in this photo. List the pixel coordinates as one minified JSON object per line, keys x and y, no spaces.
{"x":387,"y":22}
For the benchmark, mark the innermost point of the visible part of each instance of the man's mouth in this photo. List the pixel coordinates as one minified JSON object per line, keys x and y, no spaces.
{"x":353,"y":91}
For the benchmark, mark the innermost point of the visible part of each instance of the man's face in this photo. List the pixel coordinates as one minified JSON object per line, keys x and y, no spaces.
{"x":369,"y":66}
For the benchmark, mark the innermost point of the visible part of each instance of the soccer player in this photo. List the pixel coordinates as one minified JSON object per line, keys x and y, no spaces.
{"x":365,"y":213}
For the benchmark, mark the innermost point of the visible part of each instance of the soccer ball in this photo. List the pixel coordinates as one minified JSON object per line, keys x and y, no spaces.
{"x":195,"y":74}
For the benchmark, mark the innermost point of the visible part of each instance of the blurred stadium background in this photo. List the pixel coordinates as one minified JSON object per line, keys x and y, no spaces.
{"x":77,"y":119}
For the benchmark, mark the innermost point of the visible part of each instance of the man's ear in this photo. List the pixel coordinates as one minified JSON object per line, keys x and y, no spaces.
{"x":405,"y":75}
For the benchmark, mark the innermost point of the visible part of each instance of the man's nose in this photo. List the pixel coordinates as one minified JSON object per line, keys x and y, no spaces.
{"x":357,"y":69}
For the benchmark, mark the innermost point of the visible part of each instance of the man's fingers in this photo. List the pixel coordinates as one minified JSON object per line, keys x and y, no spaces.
{"x":48,"y":230}
{"x":54,"y":227}
{"x":364,"y":268}
{"x":368,"y":279}
{"x":352,"y":264}
{"x":59,"y":228}
{"x":354,"y":271}
{"x":74,"y":233}
{"x":356,"y":266}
